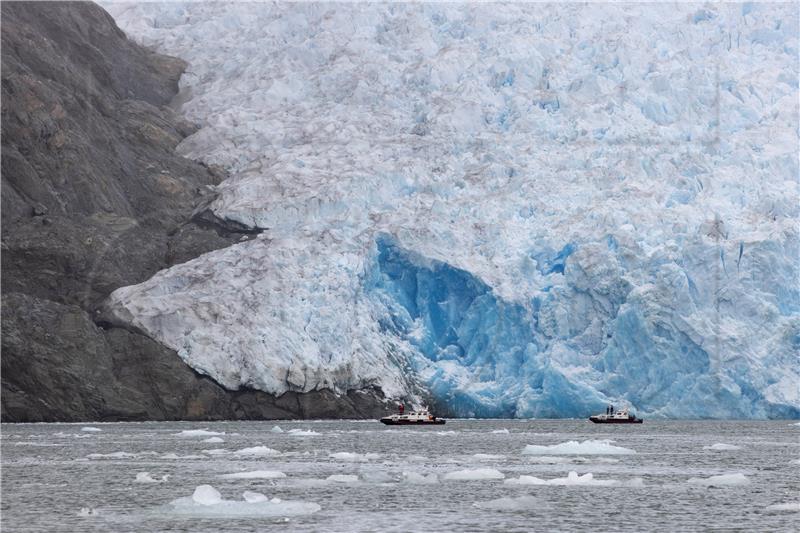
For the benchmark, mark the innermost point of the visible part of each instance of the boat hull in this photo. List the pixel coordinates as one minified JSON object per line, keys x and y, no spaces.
{"x":615,"y":421}
{"x":390,"y":422}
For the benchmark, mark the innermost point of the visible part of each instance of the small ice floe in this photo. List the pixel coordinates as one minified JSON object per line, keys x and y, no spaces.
{"x":587,"y":447}
{"x":488,"y":457}
{"x":721,"y":447}
{"x":794,"y":506}
{"x":521,"y":504}
{"x":213,"y":440}
{"x":88,"y":511}
{"x":794,"y":462}
{"x":91,"y":429}
{"x":302,"y":433}
{"x":349,"y":457}
{"x":419,"y":479}
{"x":216,"y":451}
{"x":446,"y":432}
{"x":207,"y":502}
{"x":276,"y":429}
{"x":725,"y":480}
{"x":503,"y":431}
{"x":573,"y":478}
{"x":199,"y":433}
{"x":119,"y":455}
{"x":174,"y":456}
{"x":474,"y":475}
{"x":342,"y":478}
{"x":255,"y":474}
{"x":145,"y":477}
{"x":256,"y":451}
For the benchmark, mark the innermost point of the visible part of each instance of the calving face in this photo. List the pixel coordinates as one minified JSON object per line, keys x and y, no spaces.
{"x":524,"y":210}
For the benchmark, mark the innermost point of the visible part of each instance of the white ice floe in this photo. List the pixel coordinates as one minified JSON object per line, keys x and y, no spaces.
{"x":503,"y":431}
{"x":88,"y":511}
{"x":213,"y":440}
{"x":343,"y":478}
{"x":794,"y":506}
{"x":175,"y":456}
{"x":721,"y":481}
{"x":572,"y":479}
{"x":302,"y":433}
{"x":722,"y":447}
{"x":488,"y":457}
{"x":349,"y":457}
{"x":199,"y":433}
{"x":523,"y":503}
{"x":256,"y":451}
{"x":587,"y":447}
{"x":207,"y":502}
{"x":145,"y":477}
{"x":255,"y":474}
{"x":91,"y":429}
{"x":119,"y":455}
{"x":416,"y":478}
{"x":216,"y":451}
{"x":474,"y":475}
{"x":276,"y":429}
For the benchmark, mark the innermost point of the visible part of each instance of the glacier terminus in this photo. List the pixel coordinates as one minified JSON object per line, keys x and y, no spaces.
{"x":514,"y":210}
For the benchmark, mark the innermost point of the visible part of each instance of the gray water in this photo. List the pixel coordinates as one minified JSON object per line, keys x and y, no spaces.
{"x":51,"y":482}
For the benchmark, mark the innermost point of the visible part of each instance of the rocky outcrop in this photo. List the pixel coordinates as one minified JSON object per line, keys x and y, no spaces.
{"x":94,"y":197}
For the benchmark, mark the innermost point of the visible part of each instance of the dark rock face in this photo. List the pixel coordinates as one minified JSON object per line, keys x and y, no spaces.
{"x":94,"y":198}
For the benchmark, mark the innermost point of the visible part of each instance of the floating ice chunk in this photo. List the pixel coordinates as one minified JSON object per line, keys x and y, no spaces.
{"x":302,"y":433}
{"x":794,"y":506}
{"x":573,"y":478}
{"x":145,"y":477}
{"x":523,"y":503}
{"x":215,"y":451}
{"x":91,"y":429}
{"x":206,"y":502}
{"x":257,"y":451}
{"x":206,"y":495}
{"x":721,"y":447}
{"x":213,"y":440}
{"x":199,"y":433}
{"x":88,"y":511}
{"x":503,"y":431}
{"x":349,"y":457}
{"x":119,"y":455}
{"x":488,"y":457}
{"x":254,"y":497}
{"x":474,"y":475}
{"x":343,"y":478}
{"x":420,"y":479}
{"x":721,"y":481}
{"x":255,"y":474}
{"x":174,"y":456}
{"x":276,"y":429}
{"x":587,"y":447}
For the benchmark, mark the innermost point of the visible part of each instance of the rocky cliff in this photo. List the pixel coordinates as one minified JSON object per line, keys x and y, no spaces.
{"x":94,"y":197}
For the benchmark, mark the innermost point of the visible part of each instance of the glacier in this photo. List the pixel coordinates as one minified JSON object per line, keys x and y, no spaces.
{"x":506,"y":210}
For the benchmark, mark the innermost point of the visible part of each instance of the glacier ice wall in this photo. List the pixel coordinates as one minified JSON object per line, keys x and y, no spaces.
{"x":523,"y":209}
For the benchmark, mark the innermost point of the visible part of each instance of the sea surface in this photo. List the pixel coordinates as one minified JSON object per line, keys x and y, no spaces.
{"x":468,"y":475}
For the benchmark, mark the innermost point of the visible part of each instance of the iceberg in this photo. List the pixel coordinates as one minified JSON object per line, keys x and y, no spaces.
{"x":451,"y":207}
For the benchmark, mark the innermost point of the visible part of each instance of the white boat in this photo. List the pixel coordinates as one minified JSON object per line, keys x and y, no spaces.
{"x":420,"y":417}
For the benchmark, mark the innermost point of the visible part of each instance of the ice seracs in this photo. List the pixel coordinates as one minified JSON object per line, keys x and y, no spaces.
{"x":519,"y":211}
